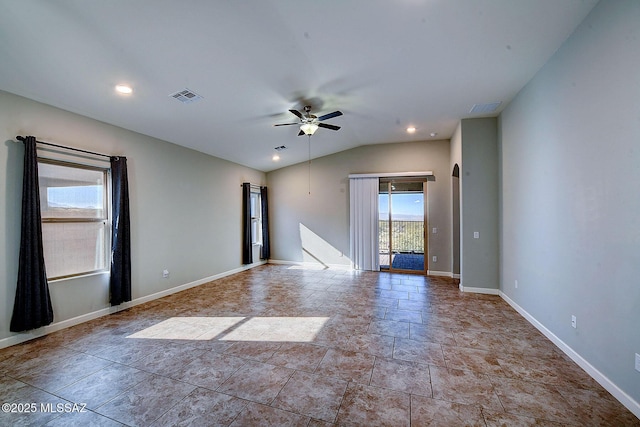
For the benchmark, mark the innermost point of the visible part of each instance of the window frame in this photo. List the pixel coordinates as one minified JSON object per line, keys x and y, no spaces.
{"x":256,"y":217}
{"x":105,"y":219}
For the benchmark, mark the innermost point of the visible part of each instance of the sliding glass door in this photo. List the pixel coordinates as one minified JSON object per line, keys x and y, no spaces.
{"x":401,"y":226}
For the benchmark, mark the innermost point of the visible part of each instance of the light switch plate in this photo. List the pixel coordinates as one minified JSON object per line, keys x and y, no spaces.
{"x":476,"y":234}
{"x":637,"y":362}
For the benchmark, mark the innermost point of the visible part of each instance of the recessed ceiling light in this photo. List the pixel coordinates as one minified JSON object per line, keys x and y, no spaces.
{"x":124,"y":89}
{"x":433,"y":134}
{"x":275,"y":158}
{"x":411,"y":129}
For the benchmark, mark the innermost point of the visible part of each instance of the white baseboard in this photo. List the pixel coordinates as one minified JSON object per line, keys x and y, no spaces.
{"x":312,"y":265}
{"x":439,"y":273}
{"x":488,"y":291}
{"x":343,"y":267}
{"x":598,"y":376}
{"x":456,"y":275}
{"x":57,"y":326}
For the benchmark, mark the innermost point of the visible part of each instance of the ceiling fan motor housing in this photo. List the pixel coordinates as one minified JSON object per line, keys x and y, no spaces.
{"x":309,"y":123}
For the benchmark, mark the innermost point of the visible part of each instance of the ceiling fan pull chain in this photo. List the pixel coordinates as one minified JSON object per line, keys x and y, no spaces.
{"x":309,"y":164}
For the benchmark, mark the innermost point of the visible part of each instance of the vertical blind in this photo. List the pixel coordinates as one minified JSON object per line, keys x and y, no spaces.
{"x":363,"y":223}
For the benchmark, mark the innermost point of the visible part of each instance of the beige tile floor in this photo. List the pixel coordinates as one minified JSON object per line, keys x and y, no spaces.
{"x":280,"y":346}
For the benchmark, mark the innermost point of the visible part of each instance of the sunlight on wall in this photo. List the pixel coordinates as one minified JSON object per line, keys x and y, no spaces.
{"x":281,"y":329}
{"x":316,"y":249}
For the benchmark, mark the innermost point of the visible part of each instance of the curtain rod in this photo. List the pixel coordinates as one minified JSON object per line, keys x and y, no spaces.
{"x":391,"y":175}
{"x":22,"y":138}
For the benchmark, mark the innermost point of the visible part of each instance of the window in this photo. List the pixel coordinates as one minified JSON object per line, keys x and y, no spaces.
{"x":75,"y":218}
{"x":256,"y":217}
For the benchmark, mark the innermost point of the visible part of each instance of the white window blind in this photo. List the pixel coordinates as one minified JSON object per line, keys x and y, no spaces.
{"x":363,"y":223}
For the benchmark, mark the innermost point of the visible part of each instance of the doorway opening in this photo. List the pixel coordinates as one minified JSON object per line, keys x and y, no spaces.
{"x":402,"y":225}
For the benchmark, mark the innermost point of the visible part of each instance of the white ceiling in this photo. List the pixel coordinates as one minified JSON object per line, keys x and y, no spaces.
{"x":386,"y":64}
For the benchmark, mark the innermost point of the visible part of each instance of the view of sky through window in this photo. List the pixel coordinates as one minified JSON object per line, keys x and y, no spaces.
{"x":406,"y":206}
{"x":80,"y":197}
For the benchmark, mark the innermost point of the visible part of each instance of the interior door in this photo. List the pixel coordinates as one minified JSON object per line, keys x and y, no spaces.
{"x":402,"y":225}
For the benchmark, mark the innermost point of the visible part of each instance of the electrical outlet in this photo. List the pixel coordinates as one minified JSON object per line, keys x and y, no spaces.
{"x":573,"y":322}
{"x":434,"y":258}
{"x":516,"y":284}
{"x":435,"y":230}
{"x":165,"y":273}
{"x":637,"y":362}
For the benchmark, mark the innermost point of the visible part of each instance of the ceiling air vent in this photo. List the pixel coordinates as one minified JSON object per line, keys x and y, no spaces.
{"x":186,"y":96}
{"x":280,"y":148}
{"x":485,"y":108}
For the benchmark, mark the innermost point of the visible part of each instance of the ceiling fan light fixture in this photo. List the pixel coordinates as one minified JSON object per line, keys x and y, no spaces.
{"x":309,"y":128}
{"x":124,"y":89}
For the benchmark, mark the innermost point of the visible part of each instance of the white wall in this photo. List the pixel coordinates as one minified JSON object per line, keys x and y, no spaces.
{"x":323,"y":215}
{"x":570,"y":147}
{"x":185,"y":207}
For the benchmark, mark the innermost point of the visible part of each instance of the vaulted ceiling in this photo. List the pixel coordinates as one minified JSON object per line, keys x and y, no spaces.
{"x":386,"y":64}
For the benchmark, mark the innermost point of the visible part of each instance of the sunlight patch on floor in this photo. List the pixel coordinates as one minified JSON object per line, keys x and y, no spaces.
{"x":297,"y":329}
{"x":280,"y":329}
{"x":188,"y":328}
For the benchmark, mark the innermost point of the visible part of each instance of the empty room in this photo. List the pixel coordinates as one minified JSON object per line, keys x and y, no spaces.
{"x":294,"y":213}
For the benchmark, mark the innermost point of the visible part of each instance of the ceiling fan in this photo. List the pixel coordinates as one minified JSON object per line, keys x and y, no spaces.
{"x":310,"y":123}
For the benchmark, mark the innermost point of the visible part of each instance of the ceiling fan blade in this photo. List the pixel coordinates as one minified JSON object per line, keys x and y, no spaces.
{"x":330,"y":115}
{"x":297,"y":113}
{"x":301,"y":133}
{"x":328,"y":126}
{"x":286,"y":124}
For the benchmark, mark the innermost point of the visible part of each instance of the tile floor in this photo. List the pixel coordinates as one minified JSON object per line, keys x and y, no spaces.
{"x":285,"y":346}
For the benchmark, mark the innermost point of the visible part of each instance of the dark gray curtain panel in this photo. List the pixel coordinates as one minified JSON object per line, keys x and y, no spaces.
{"x":120,"y":278}
{"x":265,"y":251}
{"x":247,"y":255}
{"x":32,"y":305}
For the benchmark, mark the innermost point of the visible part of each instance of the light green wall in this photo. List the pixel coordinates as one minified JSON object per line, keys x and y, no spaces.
{"x":479,"y":203}
{"x":185,"y":207}
{"x":456,"y":159}
{"x":324,"y":214}
{"x":570,"y":155}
